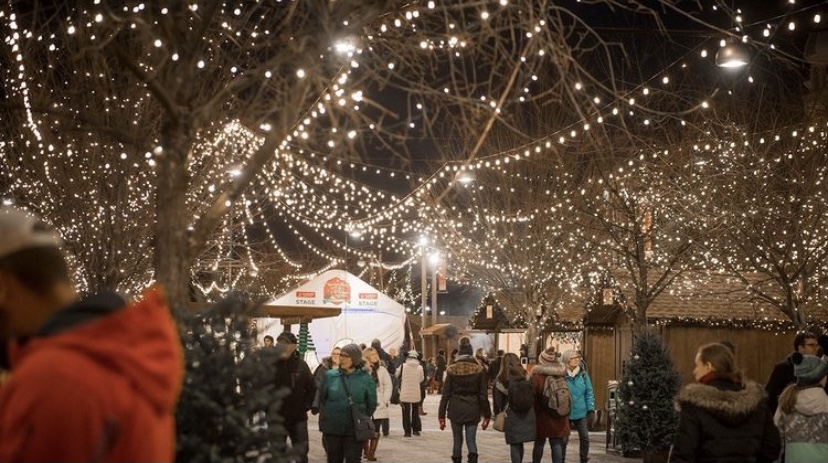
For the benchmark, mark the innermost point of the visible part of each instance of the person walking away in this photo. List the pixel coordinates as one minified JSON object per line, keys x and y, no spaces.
{"x":91,"y":379}
{"x":327,"y":363}
{"x":384,"y":386}
{"x":423,"y":385}
{"x":335,"y":418}
{"x":465,"y":401}
{"x":441,"y":363}
{"x":550,"y":424}
{"x":802,"y":416}
{"x":783,"y":372}
{"x":430,"y":371}
{"x":582,"y":413}
{"x":513,"y":393}
{"x":723,"y":417}
{"x":494,"y":367}
{"x":410,"y":375}
{"x":294,"y":374}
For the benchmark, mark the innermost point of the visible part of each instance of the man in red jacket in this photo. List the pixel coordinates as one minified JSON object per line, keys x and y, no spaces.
{"x":94,"y":379}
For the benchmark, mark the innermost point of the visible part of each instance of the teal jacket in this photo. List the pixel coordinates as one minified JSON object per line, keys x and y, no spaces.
{"x":583,"y":398}
{"x":334,"y":415}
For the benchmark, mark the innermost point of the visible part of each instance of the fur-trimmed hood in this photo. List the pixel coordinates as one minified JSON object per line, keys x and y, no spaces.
{"x":727,"y":404}
{"x":555,"y":369}
{"x":464,"y":366}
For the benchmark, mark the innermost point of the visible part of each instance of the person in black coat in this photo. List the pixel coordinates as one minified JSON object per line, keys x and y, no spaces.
{"x":465,"y":400}
{"x":295,"y":375}
{"x":783,"y":372}
{"x":723,"y":418}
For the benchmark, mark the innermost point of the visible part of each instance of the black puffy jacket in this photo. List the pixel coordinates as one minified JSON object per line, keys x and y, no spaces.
{"x":724,"y":422}
{"x":465,"y":392}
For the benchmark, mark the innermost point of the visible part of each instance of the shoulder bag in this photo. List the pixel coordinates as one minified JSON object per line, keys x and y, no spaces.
{"x":500,"y":420}
{"x":363,"y":424}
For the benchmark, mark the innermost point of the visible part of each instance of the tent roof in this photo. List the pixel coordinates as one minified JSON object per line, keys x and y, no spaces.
{"x":326,"y":295}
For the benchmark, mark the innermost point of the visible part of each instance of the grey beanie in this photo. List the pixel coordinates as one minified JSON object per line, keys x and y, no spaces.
{"x":808,"y":369}
{"x":353,"y":351}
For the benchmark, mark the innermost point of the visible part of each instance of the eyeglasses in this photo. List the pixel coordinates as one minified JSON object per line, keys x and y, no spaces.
{"x":811,"y":344}
{"x":336,"y":355}
{"x":344,"y":355}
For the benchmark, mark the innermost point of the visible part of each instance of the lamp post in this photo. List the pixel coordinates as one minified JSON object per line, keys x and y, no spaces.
{"x":423,"y":290}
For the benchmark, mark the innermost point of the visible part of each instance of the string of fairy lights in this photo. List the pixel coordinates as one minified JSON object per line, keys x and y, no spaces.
{"x":315,"y":197}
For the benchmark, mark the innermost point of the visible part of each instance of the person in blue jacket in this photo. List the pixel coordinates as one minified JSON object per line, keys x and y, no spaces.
{"x":335,"y":420}
{"x":583,"y":399}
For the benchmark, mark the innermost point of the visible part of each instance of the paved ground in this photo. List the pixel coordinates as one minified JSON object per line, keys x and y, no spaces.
{"x":434,"y":446}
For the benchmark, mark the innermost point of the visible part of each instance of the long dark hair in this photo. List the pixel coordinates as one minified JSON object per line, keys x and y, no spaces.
{"x":510,"y":366}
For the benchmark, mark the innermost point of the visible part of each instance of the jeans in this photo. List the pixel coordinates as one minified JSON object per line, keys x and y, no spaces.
{"x":516,"y":452}
{"x":471,"y":438}
{"x":298,"y":433}
{"x":583,"y":436}
{"x":558,"y":449}
{"x":411,"y":418}
{"x":342,"y":449}
{"x":382,"y":425}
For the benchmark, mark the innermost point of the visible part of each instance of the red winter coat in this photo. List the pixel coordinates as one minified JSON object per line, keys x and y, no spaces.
{"x":548,"y":425}
{"x":99,"y":387}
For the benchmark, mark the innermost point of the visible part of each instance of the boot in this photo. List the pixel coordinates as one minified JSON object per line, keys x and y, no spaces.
{"x":456,"y":459}
{"x":372,"y":449}
{"x":472,"y":458}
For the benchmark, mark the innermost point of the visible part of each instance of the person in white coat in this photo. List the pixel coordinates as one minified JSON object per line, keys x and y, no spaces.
{"x":379,"y":373}
{"x":411,"y":375}
{"x":802,"y":416}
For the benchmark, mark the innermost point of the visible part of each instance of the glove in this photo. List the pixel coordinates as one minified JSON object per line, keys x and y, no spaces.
{"x":591,"y":418}
{"x":442,"y":423}
{"x":486,"y":422}
{"x":315,"y":410}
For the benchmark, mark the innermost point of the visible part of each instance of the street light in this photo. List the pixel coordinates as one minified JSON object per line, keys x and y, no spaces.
{"x":733,"y":54}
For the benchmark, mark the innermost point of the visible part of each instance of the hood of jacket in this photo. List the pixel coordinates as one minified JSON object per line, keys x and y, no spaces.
{"x":464,"y":366}
{"x":727,"y":402}
{"x":555,"y":369}
{"x":138,"y":341}
{"x":811,"y":401}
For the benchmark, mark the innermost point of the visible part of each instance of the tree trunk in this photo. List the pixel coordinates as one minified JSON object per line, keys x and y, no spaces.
{"x":532,"y":333}
{"x":173,"y":256}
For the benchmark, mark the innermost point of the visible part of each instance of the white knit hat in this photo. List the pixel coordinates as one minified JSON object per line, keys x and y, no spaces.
{"x":19,"y":231}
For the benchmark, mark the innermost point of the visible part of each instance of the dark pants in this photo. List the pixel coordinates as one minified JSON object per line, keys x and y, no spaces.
{"x":382,"y":424}
{"x":583,"y":436}
{"x":457,"y":430}
{"x":298,"y":434}
{"x":411,"y":418}
{"x":516,"y":452}
{"x":558,"y":449}
{"x":342,"y":449}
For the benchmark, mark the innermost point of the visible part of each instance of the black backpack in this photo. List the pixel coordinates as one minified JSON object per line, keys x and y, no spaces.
{"x":521,"y":395}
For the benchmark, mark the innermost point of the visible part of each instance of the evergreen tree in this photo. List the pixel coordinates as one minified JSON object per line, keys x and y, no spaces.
{"x":646,"y":417}
{"x":228,"y":406}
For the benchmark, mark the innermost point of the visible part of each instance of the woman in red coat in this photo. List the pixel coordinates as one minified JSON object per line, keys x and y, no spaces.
{"x":549,"y":426}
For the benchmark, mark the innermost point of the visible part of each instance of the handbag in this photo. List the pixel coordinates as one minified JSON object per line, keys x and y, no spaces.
{"x":500,"y":421}
{"x":363,"y":424}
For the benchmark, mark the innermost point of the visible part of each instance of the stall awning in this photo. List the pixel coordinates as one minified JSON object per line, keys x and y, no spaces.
{"x":440,"y":330}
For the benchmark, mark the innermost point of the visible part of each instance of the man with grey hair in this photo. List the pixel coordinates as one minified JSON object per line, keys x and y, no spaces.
{"x":92,"y":379}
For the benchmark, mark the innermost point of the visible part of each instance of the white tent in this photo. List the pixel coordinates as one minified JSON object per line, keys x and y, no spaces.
{"x":366,"y":313}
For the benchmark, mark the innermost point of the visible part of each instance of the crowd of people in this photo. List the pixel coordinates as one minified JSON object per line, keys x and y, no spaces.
{"x":70,"y":399}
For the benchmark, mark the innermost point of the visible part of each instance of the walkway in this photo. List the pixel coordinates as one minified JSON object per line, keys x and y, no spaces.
{"x":434,"y":446}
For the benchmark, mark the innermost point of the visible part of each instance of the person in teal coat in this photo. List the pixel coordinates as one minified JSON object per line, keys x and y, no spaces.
{"x":583,"y":399}
{"x":335,"y":419}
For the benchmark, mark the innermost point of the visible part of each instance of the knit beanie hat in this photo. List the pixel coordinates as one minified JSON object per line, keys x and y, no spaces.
{"x":412,"y":354}
{"x":465,"y":349}
{"x":808,"y":369}
{"x":547,"y":357}
{"x":353,"y":351}
{"x":568,"y":355}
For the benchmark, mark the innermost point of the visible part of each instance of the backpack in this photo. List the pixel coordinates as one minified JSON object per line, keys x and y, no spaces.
{"x":521,"y":396}
{"x":556,"y":395}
